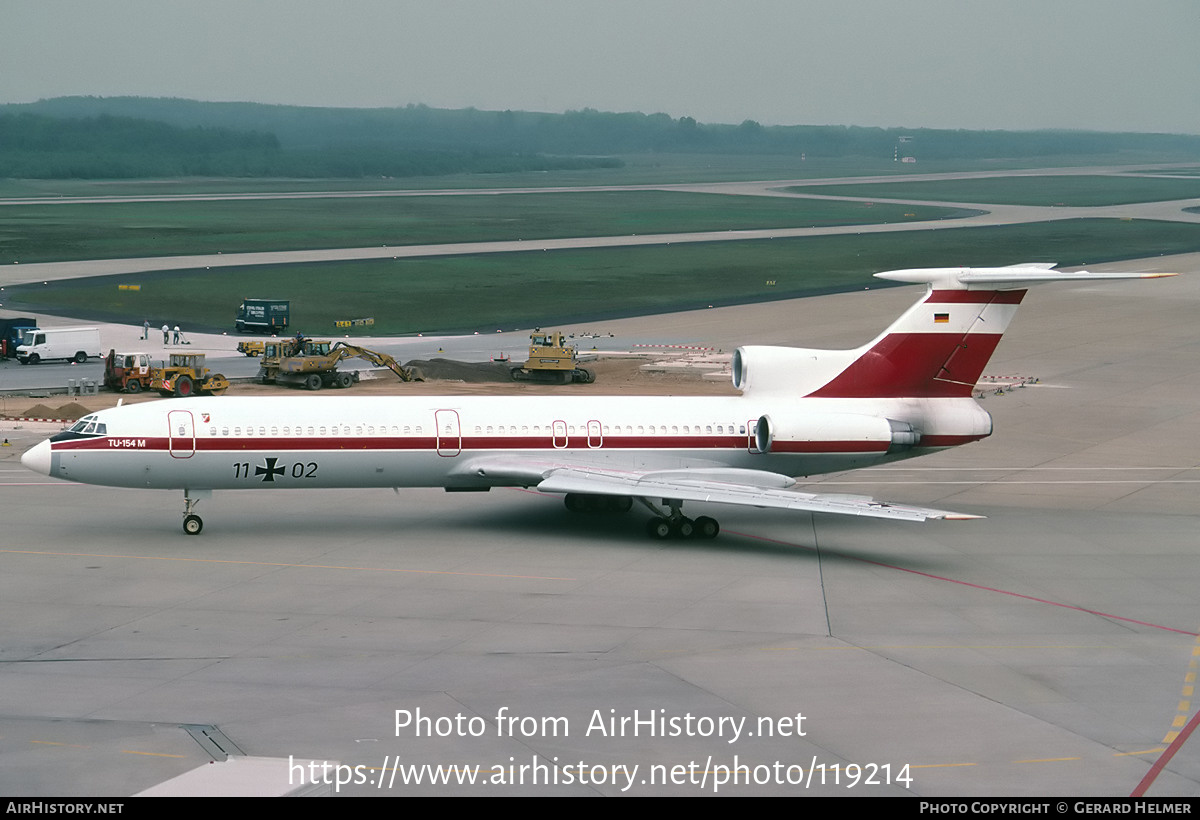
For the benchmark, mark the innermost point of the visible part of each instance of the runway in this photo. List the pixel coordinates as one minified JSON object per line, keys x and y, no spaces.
{"x":1050,"y":649}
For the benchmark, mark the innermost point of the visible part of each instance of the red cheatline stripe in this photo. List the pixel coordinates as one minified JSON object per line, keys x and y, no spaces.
{"x":579,"y":441}
{"x":1166,"y":756}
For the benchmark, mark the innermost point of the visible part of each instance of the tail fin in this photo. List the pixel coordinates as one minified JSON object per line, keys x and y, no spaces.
{"x":937,"y":348}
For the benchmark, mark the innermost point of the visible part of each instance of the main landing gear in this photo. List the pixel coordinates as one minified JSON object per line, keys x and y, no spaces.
{"x":673,"y":524}
{"x":192,"y":523}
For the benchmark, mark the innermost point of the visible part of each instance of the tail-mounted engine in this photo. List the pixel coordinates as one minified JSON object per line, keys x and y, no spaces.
{"x":832,"y":433}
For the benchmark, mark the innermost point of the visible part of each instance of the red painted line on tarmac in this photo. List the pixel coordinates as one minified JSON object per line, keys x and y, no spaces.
{"x":1166,"y":756}
{"x":977,"y":586}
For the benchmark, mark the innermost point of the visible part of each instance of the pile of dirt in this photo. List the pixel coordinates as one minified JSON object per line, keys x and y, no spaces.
{"x":71,"y":411}
{"x":471,"y":372}
{"x":40,"y":411}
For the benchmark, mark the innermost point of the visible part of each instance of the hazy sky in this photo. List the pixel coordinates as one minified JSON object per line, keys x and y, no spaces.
{"x":1095,"y":64}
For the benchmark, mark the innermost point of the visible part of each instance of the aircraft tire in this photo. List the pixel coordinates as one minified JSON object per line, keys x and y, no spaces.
{"x":706,"y":527}
{"x":659,"y":528}
{"x":192,"y":524}
{"x":683,"y":527}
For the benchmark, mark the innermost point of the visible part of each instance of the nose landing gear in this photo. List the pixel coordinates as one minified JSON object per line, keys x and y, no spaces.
{"x":192,"y":523}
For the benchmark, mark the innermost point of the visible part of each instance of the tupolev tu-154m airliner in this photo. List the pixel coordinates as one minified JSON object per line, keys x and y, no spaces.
{"x":801,"y":412}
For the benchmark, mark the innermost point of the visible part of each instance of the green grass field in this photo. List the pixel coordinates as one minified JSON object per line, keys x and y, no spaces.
{"x":653,"y":168}
{"x":486,"y":292}
{"x":50,"y":233}
{"x":1049,"y":190}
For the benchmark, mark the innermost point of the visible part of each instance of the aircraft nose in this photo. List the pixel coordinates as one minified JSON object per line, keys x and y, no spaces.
{"x":37,"y":458}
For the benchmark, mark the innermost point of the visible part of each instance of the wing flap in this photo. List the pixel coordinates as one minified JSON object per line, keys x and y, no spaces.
{"x":716,"y":485}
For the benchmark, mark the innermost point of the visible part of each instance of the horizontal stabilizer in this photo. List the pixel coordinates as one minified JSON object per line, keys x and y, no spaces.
{"x":998,"y":278}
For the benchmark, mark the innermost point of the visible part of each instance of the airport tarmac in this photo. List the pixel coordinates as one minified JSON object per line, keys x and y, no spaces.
{"x":1050,"y":649}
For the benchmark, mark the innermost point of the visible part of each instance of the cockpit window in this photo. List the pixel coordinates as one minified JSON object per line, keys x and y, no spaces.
{"x":89,"y":426}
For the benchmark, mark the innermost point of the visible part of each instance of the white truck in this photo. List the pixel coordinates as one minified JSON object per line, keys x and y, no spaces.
{"x":73,"y":343}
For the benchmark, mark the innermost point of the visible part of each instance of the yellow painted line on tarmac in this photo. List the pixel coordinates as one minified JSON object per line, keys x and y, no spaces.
{"x":285,"y":565}
{"x":57,"y":743}
{"x":1187,"y":692}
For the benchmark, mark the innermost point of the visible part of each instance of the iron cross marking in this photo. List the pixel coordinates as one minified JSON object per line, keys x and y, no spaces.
{"x":270,"y":471}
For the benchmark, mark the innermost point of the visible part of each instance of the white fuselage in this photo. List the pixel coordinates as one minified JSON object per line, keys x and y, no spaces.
{"x":440,"y":441}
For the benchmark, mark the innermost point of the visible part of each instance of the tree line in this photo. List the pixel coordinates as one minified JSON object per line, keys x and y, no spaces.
{"x":69,"y":135}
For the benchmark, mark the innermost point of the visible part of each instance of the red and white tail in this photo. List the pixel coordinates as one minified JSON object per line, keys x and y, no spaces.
{"x":937,"y":348}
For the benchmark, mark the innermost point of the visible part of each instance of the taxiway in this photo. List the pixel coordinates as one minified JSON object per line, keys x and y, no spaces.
{"x":1050,"y":649}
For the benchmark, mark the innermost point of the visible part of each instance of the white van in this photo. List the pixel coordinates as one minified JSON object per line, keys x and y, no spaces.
{"x":75,"y":343}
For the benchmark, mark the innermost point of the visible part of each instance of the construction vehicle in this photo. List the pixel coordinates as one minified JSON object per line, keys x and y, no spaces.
{"x":313,"y":364}
{"x":251,"y":349}
{"x":128,"y":372}
{"x":552,"y":361}
{"x":186,"y":375}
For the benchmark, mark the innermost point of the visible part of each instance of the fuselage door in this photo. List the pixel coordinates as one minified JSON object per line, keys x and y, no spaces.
{"x":560,"y":434}
{"x":449,"y":432}
{"x":181,"y":434}
{"x":595,"y":435}
{"x":752,"y":436}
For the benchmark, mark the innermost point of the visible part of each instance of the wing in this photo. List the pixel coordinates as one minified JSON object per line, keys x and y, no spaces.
{"x":718,"y":485}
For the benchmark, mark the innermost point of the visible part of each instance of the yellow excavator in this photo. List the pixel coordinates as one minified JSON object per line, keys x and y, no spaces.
{"x":310,"y":363}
